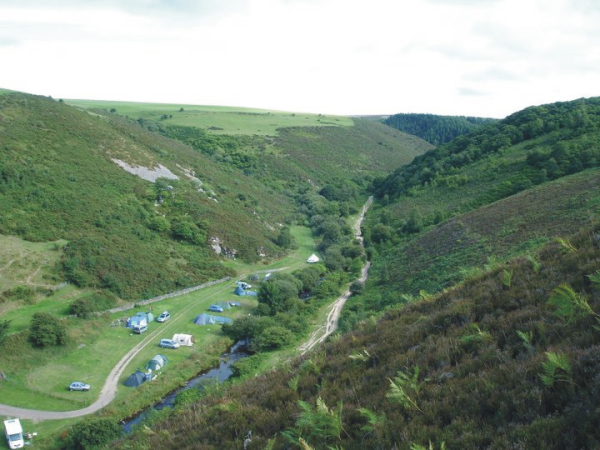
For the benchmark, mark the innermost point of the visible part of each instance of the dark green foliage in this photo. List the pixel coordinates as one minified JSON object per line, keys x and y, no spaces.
{"x":247,"y":367}
{"x":92,"y":434}
{"x":272,"y":338}
{"x":3,"y":330}
{"x":285,"y":239}
{"x":47,"y":330}
{"x":575,"y":147}
{"x":247,"y":327}
{"x":276,"y":292}
{"x":25,"y":293}
{"x":435,"y":129}
{"x":188,"y":397}
{"x":83,"y":307}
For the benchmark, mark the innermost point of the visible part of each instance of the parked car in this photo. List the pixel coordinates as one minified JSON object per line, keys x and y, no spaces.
{"x":163,"y":317}
{"x":168,"y":343}
{"x":215,"y":308}
{"x":79,"y":386}
{"x":139,"y":329}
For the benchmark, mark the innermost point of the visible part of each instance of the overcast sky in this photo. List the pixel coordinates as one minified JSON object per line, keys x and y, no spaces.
{"x":486,"y":58}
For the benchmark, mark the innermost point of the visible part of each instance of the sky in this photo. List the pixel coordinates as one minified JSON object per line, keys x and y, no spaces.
{"x":484,"y":58}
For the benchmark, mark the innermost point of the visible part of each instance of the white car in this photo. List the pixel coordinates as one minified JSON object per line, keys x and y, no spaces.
{"x":79,"y":386}
{"x":163,"y":317}
{"x":168,"y":343}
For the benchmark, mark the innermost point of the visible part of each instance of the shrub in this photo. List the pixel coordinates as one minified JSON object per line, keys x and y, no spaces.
{"x":46,"y":330}
{"x":4,"y":330}
{"x":93,"y":434}
{"x":82,"y":307}
{"x":272,"y":338}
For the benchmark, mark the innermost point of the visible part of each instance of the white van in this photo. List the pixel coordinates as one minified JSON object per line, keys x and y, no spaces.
{"x":14,"y":433}
{"x":139,"y":329}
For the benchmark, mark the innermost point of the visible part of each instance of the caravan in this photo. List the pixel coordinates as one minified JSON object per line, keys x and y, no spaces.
{"x":14,"y":433}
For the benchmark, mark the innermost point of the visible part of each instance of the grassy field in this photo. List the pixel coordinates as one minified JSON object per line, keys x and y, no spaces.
{"x":216,"y":119}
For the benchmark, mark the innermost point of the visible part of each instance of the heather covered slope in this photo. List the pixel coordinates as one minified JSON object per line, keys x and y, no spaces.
{"x":490,"y":363}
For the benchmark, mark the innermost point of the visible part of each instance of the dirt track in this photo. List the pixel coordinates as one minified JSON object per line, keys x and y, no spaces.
{"x":324,"y":331}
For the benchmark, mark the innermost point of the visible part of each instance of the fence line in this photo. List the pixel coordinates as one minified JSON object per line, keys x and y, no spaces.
{"x":162,"y":297}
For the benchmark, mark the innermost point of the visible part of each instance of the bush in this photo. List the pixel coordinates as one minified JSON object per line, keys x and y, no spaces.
{"x":272,"y":338}
{"x":93,"y":434}
{"x":4,"y":330}
{"x":46,"y":330}
{"x":82,"y":307}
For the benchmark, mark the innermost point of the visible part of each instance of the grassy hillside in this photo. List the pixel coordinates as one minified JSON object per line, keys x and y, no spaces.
{"x":63,"y":176}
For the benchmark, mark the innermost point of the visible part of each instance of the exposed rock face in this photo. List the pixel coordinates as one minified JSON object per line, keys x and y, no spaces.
{"x":220,"y":249}
{"x":145,"y":173}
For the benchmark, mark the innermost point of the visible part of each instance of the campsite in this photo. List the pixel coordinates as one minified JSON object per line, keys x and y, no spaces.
{"x":103,"y":340}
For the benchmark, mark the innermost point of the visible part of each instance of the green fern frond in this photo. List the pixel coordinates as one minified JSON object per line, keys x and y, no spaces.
{"x":556,"y":368}
{"x":595,"y":277}
{"x":568,"y":303}
{"x":565,"y":245}
{"x":507,"y":277}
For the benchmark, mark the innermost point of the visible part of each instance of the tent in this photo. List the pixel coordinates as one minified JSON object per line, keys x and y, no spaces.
{"x":140,"y":319}
{"x":312,"y":259}
{"x":207,"y":319}
{"x":241,"y":291}
{"x":184,"y":339}
{"x":135,"y":379}
{"x":157,"y":362}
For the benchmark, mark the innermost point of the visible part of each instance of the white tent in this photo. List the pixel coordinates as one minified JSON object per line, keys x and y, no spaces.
{"x":184,"y":339}
{"x":312,"y":259}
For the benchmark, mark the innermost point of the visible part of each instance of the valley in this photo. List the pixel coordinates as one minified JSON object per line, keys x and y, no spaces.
{"x":476,"y":327}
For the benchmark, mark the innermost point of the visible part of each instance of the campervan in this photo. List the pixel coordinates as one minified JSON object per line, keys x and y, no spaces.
{"x":14,"y":433}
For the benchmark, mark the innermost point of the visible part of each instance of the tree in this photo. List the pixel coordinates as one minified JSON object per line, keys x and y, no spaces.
{"x":275,"y":292}
{"x":414,"y":223}
{"x":46,"y":330}
{"x":284,"y":240}
{"x":272,"y":338}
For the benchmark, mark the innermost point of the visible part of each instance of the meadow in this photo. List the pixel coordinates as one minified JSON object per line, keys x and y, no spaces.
{"x":216,"y":119}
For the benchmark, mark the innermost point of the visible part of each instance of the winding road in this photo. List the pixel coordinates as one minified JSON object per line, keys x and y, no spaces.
{"x":325,"y":330}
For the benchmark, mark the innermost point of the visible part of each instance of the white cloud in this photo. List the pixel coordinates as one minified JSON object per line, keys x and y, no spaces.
{"x":483,"y":58}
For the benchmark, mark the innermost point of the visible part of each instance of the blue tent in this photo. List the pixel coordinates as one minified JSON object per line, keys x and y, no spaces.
{"x":140,"y":319}
{"x":241,"y":291}
{"x":135,"y":379}
{"x":207,"y":319}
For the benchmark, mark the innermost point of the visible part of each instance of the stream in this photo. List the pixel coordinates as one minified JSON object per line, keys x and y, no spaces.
{"x":221,"y":373}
